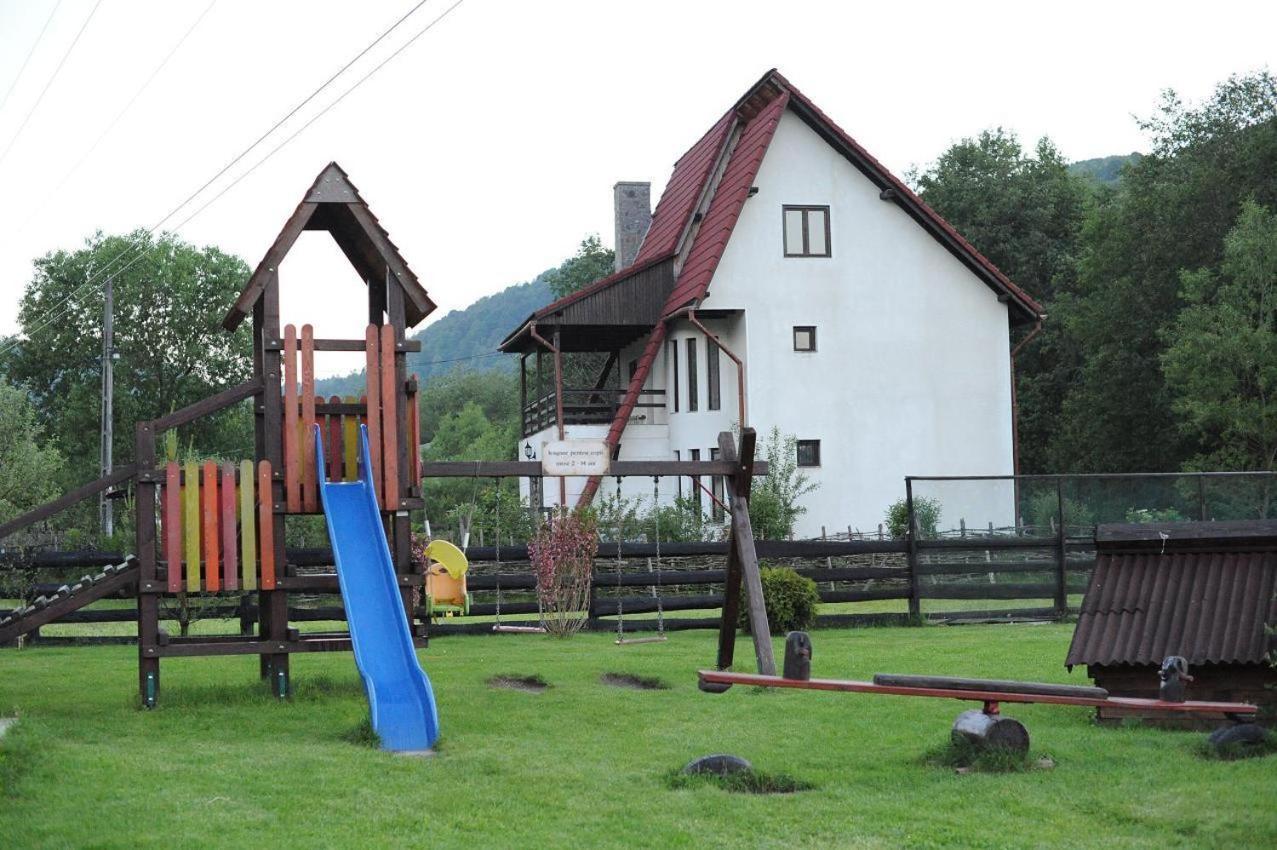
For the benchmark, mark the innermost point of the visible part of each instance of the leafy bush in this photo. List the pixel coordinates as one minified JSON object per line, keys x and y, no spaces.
{"x":791,"y":601}
{"x":1044,"y":509}
{"x":926,"y":509}
{"x":562,"y":555}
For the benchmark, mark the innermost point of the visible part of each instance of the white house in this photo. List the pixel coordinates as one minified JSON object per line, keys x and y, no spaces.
{"x":866,"y":326}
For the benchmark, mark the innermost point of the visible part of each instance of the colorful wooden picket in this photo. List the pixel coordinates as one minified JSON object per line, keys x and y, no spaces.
{"x":350,"y":446}
{"x":171,"y":522}
{"x":372,"y":373}
{"x":266,"y":525}
{"x":292,"y":475}
{"x":230,"y":547}
{"x":211,"y":527}
{"x":248,"y":524}
{"x":389,"y":419}
{"x":310,"y":493}
{"x":341,"y":431}
{"x":332,"y":451}
{"x":191,"y":525}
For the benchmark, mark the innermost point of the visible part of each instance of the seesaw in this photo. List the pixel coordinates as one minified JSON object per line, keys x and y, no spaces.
{"x":985,"y":726}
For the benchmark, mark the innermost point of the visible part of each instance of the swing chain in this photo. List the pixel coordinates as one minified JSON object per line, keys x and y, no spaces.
{"x":620,"y":533}
{"x":656,"y":502}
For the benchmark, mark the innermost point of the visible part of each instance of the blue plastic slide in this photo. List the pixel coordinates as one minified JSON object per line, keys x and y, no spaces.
{"x":400,"y":698}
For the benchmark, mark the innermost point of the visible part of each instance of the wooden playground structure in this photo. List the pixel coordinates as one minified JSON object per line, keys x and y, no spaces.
{"x":208,"y":528}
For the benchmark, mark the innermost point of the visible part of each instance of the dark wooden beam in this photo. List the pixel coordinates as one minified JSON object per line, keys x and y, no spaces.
{"x":204,"y":407}
{"x":79,"y":494}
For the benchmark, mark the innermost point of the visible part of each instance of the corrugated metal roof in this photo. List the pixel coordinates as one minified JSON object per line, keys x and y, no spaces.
{"x":1209,"y":606}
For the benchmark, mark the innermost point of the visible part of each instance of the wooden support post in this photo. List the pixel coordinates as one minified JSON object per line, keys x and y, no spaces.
{"x":399,"y":469}
{"x":273,"y":607}
{"x":742,"y":560}
{"x":148,"y":604}
{"x":911,"y":538}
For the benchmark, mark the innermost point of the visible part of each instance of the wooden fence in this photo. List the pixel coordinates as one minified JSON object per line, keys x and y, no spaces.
{"x":918,"y":574}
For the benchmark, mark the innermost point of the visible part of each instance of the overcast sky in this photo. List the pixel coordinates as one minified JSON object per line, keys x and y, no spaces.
{"x":489,"y":147}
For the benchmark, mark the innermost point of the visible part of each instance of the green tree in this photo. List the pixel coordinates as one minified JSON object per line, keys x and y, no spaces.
{"x":1170,"y":212}
{"x":1024,"y":211}
{"x":590,"y":262}
{"x":170,"y":298}
{"x":29,"y":467}
{"x":776,"y":501}
{"x":1221,"y":356}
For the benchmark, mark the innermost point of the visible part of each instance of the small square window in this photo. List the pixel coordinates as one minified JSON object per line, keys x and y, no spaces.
{"x":806,"y":231}
{"x":805,"y":338}
{"x":809,"y":452}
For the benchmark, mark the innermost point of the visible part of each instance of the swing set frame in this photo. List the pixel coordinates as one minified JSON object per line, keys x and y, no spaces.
{"x":737,"y":467}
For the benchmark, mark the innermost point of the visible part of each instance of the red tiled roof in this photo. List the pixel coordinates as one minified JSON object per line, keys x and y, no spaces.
{"x":729,"y":197}
{"x":1208,"y":603}
{"x":685,"y":188}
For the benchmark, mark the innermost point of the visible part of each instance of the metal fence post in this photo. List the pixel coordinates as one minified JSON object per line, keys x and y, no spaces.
{"x":1061,"y":579}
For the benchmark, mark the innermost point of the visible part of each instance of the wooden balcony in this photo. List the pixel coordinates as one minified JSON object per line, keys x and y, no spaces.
{"x":583,"y":407}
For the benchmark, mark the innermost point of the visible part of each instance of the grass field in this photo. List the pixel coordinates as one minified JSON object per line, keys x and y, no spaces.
{"x":587,"y":765}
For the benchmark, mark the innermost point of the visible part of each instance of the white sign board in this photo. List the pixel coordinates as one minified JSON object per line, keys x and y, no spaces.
{"x":575,"y":457}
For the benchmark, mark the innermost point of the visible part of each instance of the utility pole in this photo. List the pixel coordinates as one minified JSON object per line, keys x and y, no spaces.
{"x":106,"y":506}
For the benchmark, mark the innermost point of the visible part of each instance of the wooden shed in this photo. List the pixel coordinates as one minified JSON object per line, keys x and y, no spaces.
{"x":1201,"y":590}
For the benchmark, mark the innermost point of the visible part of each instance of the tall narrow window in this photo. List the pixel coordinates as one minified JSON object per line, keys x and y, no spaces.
{"x":716,"y":509}
{"x":633,"y":369}
{"x":809,"y":452}
{"x":806,"y":231}
{"x":711,"y":367}
{"x":674,"y":372}
{"x":696,"y":483}
{"x":677,"y":478}
{"x":693,"y":401}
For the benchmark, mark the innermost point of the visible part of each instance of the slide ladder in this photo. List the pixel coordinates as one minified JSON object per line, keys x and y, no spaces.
{"x":400,"y":699}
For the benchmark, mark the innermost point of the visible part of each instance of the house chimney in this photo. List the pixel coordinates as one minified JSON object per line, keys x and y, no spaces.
{"x":632,"y":202}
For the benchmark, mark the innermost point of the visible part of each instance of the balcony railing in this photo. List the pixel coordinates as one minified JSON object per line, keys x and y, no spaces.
{"x":583,"y":407}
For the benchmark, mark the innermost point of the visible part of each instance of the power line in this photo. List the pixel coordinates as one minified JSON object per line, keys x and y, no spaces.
{"x":120,"y":115}
{"x":39,"y":38}
{"x":65,"y":305}
{"x":49,"y":84}
{"x":318,"y":115}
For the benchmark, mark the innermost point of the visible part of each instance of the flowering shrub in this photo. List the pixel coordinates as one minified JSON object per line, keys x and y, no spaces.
{"x":562,"y":556}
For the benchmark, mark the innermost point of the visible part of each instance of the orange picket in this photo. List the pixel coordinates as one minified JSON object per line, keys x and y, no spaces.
{"x":310,"y":495}
{"x":212,"y":581}
{"x":266,"y":524}
{"x":292,"y":475}
{"x":389,"y":422}
{"x":172,"y":524}
{"x":372,"y":372}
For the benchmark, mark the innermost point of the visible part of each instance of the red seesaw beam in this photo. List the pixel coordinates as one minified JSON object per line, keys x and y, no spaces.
{"x":987,"y":697}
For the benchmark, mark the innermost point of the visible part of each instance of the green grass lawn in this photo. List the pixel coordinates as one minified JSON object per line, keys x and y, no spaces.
{"x":219,"y":764}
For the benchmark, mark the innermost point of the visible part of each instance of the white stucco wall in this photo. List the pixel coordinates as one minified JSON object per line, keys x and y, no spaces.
{"x":912,"y":372}
{"x":911,"y":375}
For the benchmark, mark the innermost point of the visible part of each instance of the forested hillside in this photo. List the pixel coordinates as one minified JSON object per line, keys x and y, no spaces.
{"x":1105,"y":170}
{"x":463,"y":339}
